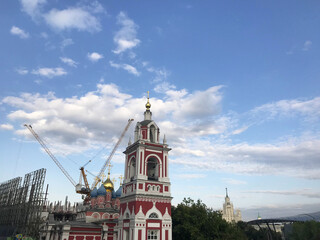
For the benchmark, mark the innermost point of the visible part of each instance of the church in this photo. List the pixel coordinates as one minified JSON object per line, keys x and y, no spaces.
{"x":139,"y":210}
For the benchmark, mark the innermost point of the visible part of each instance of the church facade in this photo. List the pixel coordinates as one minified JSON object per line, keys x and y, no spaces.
{"x":140,"y":209}
{"x":145,"y":203}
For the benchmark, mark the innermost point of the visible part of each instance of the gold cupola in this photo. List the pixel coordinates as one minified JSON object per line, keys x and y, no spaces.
{"x":108,"y":184}
{"x":148,"y":105}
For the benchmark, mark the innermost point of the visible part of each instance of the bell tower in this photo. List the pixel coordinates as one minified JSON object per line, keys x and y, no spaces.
{"x":145,"y":203}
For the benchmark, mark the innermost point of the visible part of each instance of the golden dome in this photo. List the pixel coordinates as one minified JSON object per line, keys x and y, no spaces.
{"x":148,"y":105}
{"x":108,"y":185}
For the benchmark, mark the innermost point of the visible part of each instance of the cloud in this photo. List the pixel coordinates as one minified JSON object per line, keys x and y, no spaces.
{"x":309,"y":109}
{"x":164,"y":87}
{"x":6,"y":126}
{"x":125,"y":38}
{"x":193,"y":122}
{"x":32,"y":7}
{"x":19,"y":32}
{"x":240,"y":130}
{"x":161,"y":74}
{"x":232,"y":181}
{"x":300,"y":192}
{"x":22,"y":71}
{"x":49,"y":72}
{"x":307,"y":45}
{"x":94,"y":57}
{"x":283,"y":158}
{"x":66,"y":42}
{"x":72,"y":18}
{"x":69,"y":61}
{"x":82,"y":115}
{"x":127,"y":67}
{"x":190,"y":176}
{"x":279,"y":210}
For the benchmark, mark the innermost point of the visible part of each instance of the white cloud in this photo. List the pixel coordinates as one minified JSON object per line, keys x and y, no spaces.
{"x":72,"y":18}
{"x":32,"y":7}
{"x":127,"y":67}
{"x":240,"y":130}
{"x":190,"y":176}
{"x":164,"y":87}
{"x":69,"y":61}
{"x":288,"y":108}
{"x":84,"y":112}
{"x":66,"y":42}
{"x":19,"y":32}
{"x":22,"y":71}
{"x":125,"y":38}
{"x":283,"y":158}
{"x":193,"y":124}
{"x":299,"y":192}
{"x":161,"y":74}
{"x":307,"y":45}
{"x":49,"y":72}
{"x":232,"y":181}
{"x":94,"y":57}
{"x":44,"y":35}
{"x":6,"y":126}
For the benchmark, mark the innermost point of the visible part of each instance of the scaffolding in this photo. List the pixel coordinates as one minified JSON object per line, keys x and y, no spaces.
{"x":21,"y":204}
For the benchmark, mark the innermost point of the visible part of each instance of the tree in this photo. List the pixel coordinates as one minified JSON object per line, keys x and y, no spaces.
{"x":195,"y":221}
{"x":305,"y":231}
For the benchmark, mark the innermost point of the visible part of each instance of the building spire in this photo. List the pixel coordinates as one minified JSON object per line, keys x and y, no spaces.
{"x":109,"y":169}
{"x":120,"y":180}
{"x":148,"y":105}
{"x":226,"y":192}
{"x":147,"y":113}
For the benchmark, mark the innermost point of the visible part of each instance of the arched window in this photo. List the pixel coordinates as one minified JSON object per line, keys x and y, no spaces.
{"x":152,"y":134}
{"x":153,"y":215}
{"x":127,"y":215}
{"x":152,"y":169}
{"x":136,"y":134}
{"x":132,"y":168}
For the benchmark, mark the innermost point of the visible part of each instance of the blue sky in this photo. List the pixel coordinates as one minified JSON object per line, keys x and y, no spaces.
{"x":233,"y":85}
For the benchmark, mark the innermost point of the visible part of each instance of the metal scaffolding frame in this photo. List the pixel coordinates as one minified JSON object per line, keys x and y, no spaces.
{"x":21,"y":205}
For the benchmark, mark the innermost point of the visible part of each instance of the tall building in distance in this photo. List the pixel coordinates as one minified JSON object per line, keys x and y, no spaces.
{"x":228,"y":213}
{"x":145,"y":203}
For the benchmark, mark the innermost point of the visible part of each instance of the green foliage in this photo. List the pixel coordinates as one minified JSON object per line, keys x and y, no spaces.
{"x":261,"y":234}
{"x":195,"y":221}
{"x":305,"y":231}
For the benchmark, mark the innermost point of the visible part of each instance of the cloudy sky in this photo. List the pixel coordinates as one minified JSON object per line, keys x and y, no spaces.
{"x":234,"y":86}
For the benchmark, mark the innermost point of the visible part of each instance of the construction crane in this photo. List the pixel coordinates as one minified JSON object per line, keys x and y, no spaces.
{"x":50,"y":154}
{"x":104,"y":166}
{"x":84,"y":176}
{"x":79,"y":188}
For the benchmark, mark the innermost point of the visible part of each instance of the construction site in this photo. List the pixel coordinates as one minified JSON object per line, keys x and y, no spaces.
{"x":21,"y":203}
{"x":105,"y":212}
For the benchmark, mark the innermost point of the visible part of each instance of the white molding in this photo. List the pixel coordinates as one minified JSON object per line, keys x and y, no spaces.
{"x":154,"y":209}
{"x":151,"y":150}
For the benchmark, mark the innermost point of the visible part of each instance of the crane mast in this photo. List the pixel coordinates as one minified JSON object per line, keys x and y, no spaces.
{"x":98,"y":178}
{"x":50,"y":154}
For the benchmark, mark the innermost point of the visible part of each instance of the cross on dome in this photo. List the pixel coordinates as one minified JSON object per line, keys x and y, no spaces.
{"x":148,"y":105}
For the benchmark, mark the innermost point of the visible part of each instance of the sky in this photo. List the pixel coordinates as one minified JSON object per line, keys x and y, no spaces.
{"x":234,"y":86}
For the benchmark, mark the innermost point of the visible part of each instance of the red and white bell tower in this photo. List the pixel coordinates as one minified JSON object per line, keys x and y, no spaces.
{"x":145,"y":204}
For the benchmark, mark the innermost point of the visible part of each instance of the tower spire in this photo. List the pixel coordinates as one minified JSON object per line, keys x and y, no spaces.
{"x":147,"y":113}
{"x":148,"y":105}
{"x":226,"y":192}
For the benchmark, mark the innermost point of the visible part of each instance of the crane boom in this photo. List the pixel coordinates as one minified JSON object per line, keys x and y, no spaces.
{"x":50,"y":154}
{"x":98,"y":178}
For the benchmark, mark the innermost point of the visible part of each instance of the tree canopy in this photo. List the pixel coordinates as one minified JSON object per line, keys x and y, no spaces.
{"x":193,"y":220}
